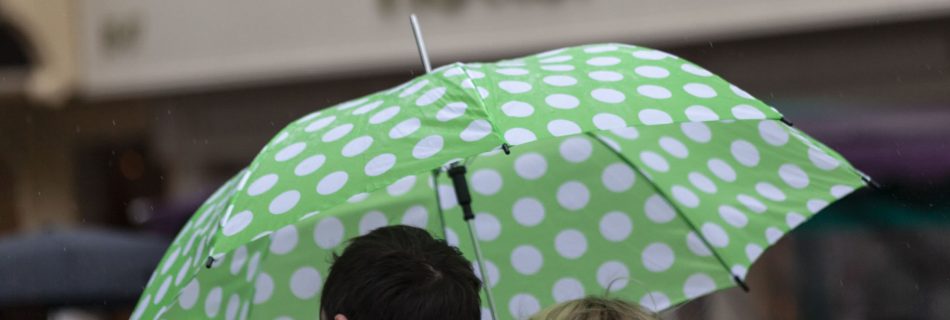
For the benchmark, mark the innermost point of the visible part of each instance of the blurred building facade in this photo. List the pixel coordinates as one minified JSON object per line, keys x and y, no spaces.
{"x":127,"y":114}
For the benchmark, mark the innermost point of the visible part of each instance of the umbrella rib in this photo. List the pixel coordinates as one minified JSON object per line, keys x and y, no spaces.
{"x":689,"y":222}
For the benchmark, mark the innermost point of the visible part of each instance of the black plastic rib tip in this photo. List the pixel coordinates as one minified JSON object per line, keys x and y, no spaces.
{"x":209,"y":262}
{"x":464,"y":197}
{"x":506,"y":148}
{"x":741,"y":283}
{"x":789,"y":123}
{"x":872,"y":183}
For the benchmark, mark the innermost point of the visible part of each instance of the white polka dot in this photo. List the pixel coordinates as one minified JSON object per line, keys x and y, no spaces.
{"x":839,"y":191}
{"x":487,"y":227}
{"x":172,"y":257}
{"x":609,"y":142}
{"x":603,"y":61}
{"x":608,"y":121}
{"x":305,"y":282}
{"x":162,"y":290}
{"x":213,"y":302}
{"x":793,"y":175}
{"x":492,"y":270}
{"x":696,"y":245}
{"x":319,"y":124}
{"x":699,"y":90}
{"x":658,"y":209}
{"x":654,"y":117}
{"x":447,"y":197}
{"x":608,"y":95}
{"x":566,"y":289}
{"x":233,"y":304}
{"x":309,"y":165}
{"x":654,"y":161}
{"x":685,"y":196}
{"x":674,"y":147}
{"x":368,"y":107}
{"x":701,"y":182}
{"x":357,"y":198}
{"x":815,"y":205}
{"x":821,"y":159}
{"x":486,"y":181}
{"x":613,"y":275}
{"x":573,"y":195}
{"x":605,"y":76}
{"x":526,"y":259}
{"x":658,"y":257}
{"x":476,"y":130}
{"x":693,"y":69}
{"x":405,"y":128}
{"x":512,"y":71}
{"x":576,"y":149}
{"x":251,"y":266}
{"x":262,"y":184}
{"x":570,"y":244}
{"x":517,"y":109}
{"x":515,"y":86}
{"x":528,"y":211}
{"x":697,"y":285}
{"x":560,"y":81}
{"x":185,"y":267}
{"x":793,"y":219}
{"x":371,"y":221}
{"x":414,"y":88}
{"x":384,"y":115}
{"x":562,"y":101}
{"x":332,"y":183}
{"x":773,"y":133}
{"x":716,"y":236}
{"x":401,"y":186}
{"x":328,"y":233}
{"x":263,"y":288}
{"x":416,"y":216}
{"x":655,"y":301}
{"x":357,"y":146}
{"x":337,"y":133}
{"x":428,"y":147}
{"x":745,"y":153}
{"x":380,"y":164}
{"x":629,"y":133}
{"x":475,"y":74}
{"x":556,"y":59}
{"x":740,"y":92}
{"x":531,"y":166}
{"x":189,"y":294}
{"x":722,"y":170}
{"x":558,"y":67}
{"x":615,"y":226}
{"x":518,"y":136}
{"x":699,"y":113}
{"x":733,"y":216}
{"x":747,"y":112}
{"x":237,"y":223}
{"x":430,"y":96}
{"x":652,"y":72}
{"x":772,"y":234}
{"x":751,"y":203}
{"x":753,"y":251}
{"x":283,"y":240}
{"x":696,"y":131}
{"x":290,"y":151}
{"x":650,"y":54}
{"x":523,"y":305}
{"x":451,"y":111}
{"x":618,"y":177}
{"x":654,"y":91}
{"x":770,"y":191}
{"x":561,"y":127}
{"x":284,"y":202}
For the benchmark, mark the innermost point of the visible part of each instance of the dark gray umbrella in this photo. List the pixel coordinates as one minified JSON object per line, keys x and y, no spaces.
{"x":76,"y":267}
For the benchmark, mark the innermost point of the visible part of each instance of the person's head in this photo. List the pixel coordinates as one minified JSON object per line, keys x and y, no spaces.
{"x":594,"y":308}
{"x":400,"y":272}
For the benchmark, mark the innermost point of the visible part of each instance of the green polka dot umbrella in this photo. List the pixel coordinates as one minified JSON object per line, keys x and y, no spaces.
{"x":630,"y":170}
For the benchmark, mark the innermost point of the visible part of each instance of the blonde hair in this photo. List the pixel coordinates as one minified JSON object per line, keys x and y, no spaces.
{"x":594,"y":308}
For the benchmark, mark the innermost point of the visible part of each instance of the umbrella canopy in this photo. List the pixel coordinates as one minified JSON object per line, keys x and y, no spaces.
{"x":76,"y":267}
{"x":630,"y":169}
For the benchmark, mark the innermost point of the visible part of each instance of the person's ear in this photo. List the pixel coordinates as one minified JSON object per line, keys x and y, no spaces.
{"x":339,"y":317}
